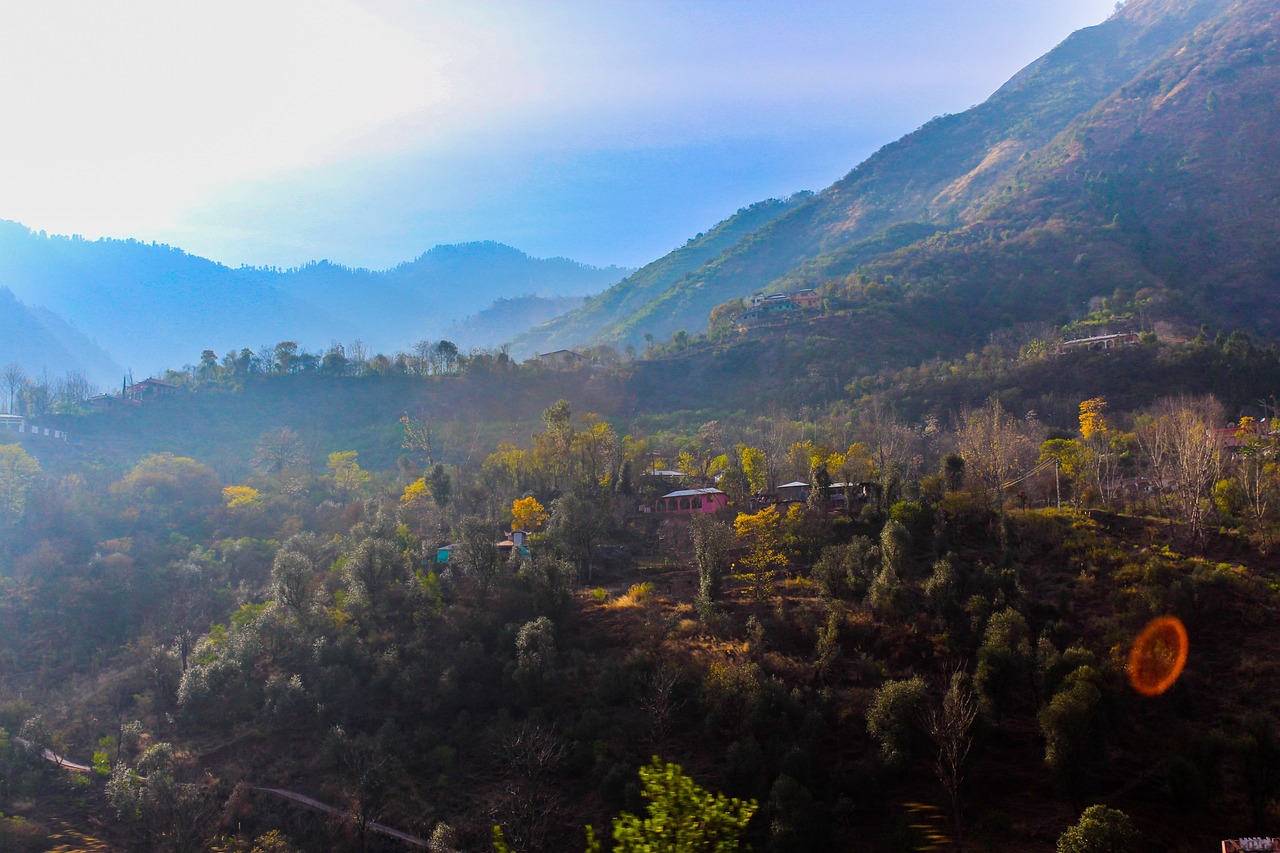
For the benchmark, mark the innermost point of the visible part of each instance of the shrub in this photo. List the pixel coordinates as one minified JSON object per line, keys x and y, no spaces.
{"x":892,"y":716}
{"x":1071,"y":724}
{"x":848,"y":568}
{"x":638,"y":595}
{"x":682,"y":815}
{"x":1004,"y":661}
{"x":1099,"y":830}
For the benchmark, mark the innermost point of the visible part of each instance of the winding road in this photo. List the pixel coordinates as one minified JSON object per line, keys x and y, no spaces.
{"x":411,"y":840}
{"x":302,"y":799}
{"x":51,"y":756}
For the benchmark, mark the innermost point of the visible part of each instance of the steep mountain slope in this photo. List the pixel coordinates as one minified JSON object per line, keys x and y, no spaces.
{"x":650,"y":283}
{"x":1171,"y":183}
{"x":153,"y":306}
{"x":44,"y":344}
{"x":947,"y":175}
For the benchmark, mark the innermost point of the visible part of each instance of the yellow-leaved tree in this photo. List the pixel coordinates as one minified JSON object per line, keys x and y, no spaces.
{"x":528,"y":514}
{"x":241,"y":497}
{"x":1105,"y":447}
{"x":756,"y":466}
{"x":18,"y":471}
{"x":1092,"y":420}
{"x":761,"y":533}
{"x":416,"y":495}
{"x":345,"y":472}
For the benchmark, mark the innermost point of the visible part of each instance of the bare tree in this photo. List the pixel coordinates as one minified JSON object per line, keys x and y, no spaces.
{"x":1257,"y":473}
{"x":950,"y":727}
{"x":358,"y":354}
{"x":291,"y":577}
{"x":894,"y":446}
{"x":1184,"y":453}
{"x":661,"y":704}
{"x":1103,"y":463}
{"x":367,"y":769}
{"x":278,"y":451}
{"x":36,"y":397}
{"x":774,"y":435}
{"x":530,"y":806}
{"x":72,"y":390}
{"x":995,"y":447}
{"x":14,"y":377}
{"x":265,"y":358}
{"x":421,"y":363}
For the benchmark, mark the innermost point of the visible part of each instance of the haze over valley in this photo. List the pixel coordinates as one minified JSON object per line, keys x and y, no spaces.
{"x":718,"y":426}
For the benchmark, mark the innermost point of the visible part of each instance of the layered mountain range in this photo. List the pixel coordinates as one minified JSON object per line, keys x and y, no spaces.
{"x":1142,"y":154}
{"x":1139,"y":156}
{"x":148,"y":306}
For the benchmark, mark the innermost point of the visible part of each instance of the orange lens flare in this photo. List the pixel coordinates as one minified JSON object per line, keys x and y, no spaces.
{"x":1158,"y":656}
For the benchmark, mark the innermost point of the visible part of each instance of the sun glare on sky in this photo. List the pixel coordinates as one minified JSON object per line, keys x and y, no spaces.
{"x":129,"y":112}
{"x":278,"y":131}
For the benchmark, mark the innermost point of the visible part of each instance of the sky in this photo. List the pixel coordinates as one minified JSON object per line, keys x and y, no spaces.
{"x":275,"y":132}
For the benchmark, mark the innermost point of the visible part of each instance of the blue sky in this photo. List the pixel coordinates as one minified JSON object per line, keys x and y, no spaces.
{"x":281,"y":131}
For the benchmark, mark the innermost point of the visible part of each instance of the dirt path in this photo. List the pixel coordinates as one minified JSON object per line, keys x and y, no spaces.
{"x":303,"y":799}
{"x":53,"y":757}
{"x":412,"y":840}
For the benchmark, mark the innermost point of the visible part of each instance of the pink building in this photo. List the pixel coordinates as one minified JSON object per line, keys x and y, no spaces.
{"x":688,"y":501}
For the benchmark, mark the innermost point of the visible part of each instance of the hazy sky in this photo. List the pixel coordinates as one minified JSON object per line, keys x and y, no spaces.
{"x":280,"y":131}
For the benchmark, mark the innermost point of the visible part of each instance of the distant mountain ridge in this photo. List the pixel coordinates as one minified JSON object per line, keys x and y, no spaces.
{"x":506,"y":318}
{"x":42,"y":343}
{"x":1139,"y":153}
{"x":153,"y":306}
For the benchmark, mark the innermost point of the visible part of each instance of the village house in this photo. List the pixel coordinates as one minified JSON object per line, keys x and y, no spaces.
{"x":665,"y":475}
{"x":516,"y":539}
{"x":149,"y":389}
{"x":838,"y":494}
{"x":664,"y":479}
{"x":795,"y":492}
{"x":765,"y":306}
{"x":18,"y":424}
{"x":806,"y":300}
{"x":1098,"y":342}
{"x":1234,"y":439}
{"x":562,"y":359}
{"x":1251,"y":844}
{"x":690,"y":501}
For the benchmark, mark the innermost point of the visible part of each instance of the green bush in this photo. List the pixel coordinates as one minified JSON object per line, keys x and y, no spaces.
{"x":1099,"y":830}
{"x":892,"y":716}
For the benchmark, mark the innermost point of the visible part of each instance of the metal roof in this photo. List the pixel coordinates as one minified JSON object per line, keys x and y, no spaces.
{"x":684,"y":493}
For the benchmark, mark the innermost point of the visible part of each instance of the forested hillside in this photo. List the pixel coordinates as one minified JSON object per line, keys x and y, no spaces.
{"x":239,"y":585}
